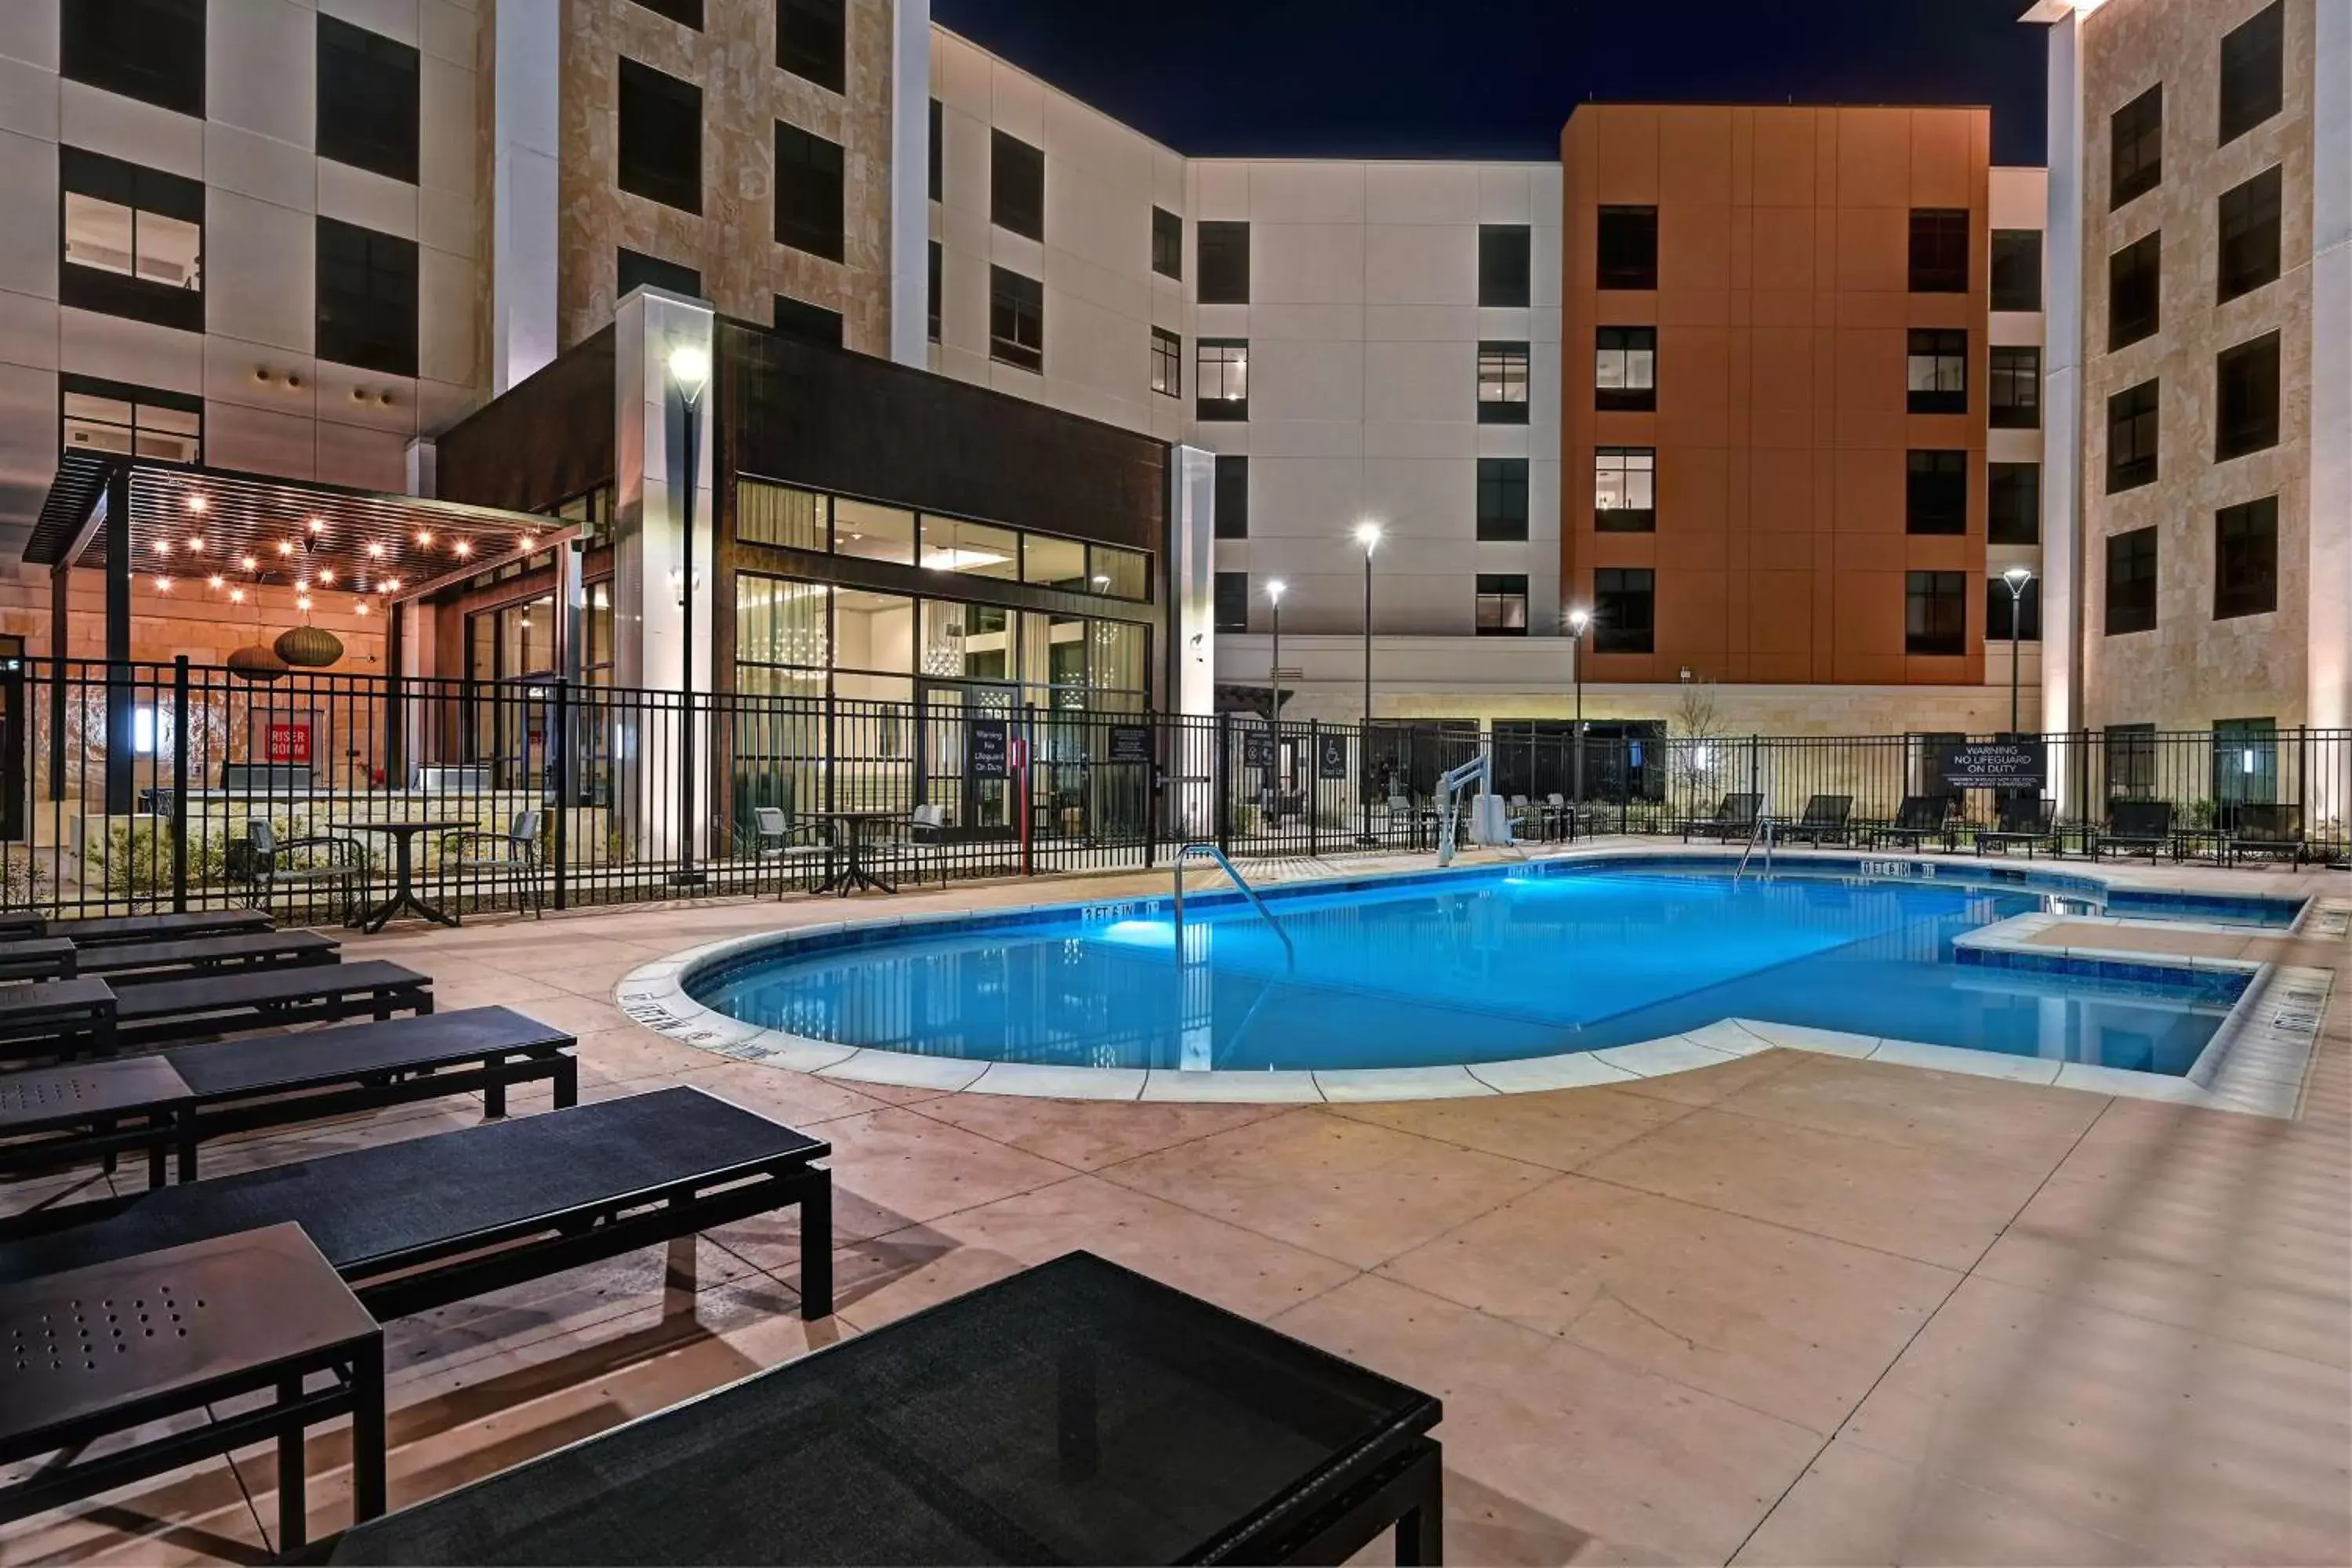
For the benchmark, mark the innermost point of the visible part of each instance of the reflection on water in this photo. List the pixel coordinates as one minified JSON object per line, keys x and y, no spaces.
{"x":1494,"y":968}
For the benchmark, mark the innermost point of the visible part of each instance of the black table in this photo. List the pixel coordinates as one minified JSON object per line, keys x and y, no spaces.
{"x":852,"y":874}
{"x":108,"y":1349}
{"x":403,"y":833}
{"x":63,"y":1018}
{"x":39,"y":958}
{"x":1076,"y":1413}
{"x":128,"y":1103}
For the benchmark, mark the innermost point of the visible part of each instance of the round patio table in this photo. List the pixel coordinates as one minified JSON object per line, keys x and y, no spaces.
{"x":404,"y":831}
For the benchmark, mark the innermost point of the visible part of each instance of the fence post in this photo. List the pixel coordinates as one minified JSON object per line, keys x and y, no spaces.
{"x":1754,"y":744}
{"x":1220,"y":738}
{"x":562,"y":750}
{"x":1313,"y":787}
{"x":179,"y":785}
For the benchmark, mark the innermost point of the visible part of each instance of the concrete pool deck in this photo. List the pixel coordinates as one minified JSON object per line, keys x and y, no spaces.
{"x":1789,"y":1308}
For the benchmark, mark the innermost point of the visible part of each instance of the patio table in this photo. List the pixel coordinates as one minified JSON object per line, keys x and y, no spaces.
{"x":1075,"y":1412}
{"x":403,"y":832}
{"x":852,"y":833}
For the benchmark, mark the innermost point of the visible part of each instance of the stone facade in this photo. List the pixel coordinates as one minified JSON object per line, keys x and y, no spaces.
{"x":2192,"y":669}
{"x":732,"y":242}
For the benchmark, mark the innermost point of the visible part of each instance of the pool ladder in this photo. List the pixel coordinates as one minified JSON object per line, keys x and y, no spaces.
{"x":1210,"y":851}
{"x":1760,"y":831}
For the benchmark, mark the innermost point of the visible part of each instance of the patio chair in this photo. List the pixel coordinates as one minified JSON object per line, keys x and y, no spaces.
{"x":920,"y":840}
{"x":1919,"y":817}
{"x":474,"y":854}
{"x":2028,"y":820}
{"x":2133,"y":825}
{"x":1823,"y":821}
{"x":1735,"y":817}
{"x":318,"y":861}
{"x":2266,"y":830}
{"x":781,"y":840}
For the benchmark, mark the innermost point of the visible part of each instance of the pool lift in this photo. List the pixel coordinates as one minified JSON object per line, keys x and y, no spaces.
{"x":1490,"y":822}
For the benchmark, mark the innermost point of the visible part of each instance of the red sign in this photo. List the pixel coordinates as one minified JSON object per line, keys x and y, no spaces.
{"x":290,"y":742}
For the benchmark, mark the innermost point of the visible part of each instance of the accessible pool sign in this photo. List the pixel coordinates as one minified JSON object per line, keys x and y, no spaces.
{"x":1331,"y":757}
{"x":1994,"y":764}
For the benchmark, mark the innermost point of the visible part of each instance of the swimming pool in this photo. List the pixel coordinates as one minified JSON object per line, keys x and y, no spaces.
{"x":1484,"y":965}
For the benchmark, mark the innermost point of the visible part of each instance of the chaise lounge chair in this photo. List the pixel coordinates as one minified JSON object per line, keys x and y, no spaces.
{"x":1824,"y":821}
{"x":2134,"y":826}
{"x":1735,"y":817}
{"x":428,"y":1221}
{"x":132,"y":963}
{"x":2025,"y":819}
{"x":184,"y":1009}
{"x":18,"y":925}
{"x":1919,"y":817}
{"x":2266,"y":830}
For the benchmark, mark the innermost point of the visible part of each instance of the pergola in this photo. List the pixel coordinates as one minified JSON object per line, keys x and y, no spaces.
{"x":132,"y":516}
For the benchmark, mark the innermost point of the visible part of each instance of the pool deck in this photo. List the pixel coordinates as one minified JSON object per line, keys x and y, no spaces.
{"x":1789,"y":1308}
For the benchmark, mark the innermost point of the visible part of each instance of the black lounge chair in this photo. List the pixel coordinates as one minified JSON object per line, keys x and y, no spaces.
{"x":2028,"y":820}
{"x":106,"y":930}
{"x":134,"y":962}
{"x":175,"y":1099}
{"x":2266,"y":830}
{"x":185,"y":1009}
{"x":64,"y":1018}
{"x":1735,"y":817}
{"x":1824,"y":821}
{"x":1919,"y":817}
{"x":2134,"y":826}
{"x":420,"y":1224}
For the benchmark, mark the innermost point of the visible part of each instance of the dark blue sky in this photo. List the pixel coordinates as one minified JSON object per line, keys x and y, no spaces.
{"x":1497,"y":77}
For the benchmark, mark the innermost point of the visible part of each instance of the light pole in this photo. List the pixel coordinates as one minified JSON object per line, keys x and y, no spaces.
{"x":1578,"y":619}
{"x":690,"y":366}
{"x":1274,"y":593}
{"x":2019,"y":579}
{"x":1368,"y":534}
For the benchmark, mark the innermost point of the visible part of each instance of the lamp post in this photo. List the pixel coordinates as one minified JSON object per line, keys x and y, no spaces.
{"x":1578,"y":619}
{"x":1274,"y":593}
{"x":1368,"y":534}
{"x":690,"y":367}
{"x":2018,"y":578}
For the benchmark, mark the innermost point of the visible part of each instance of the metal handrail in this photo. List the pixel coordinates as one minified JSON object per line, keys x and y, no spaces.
{"x":1762,"y":828}
{"x":1290,"y":954}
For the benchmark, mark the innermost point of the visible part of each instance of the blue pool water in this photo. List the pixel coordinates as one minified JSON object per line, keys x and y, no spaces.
{"x":1472,"y":966}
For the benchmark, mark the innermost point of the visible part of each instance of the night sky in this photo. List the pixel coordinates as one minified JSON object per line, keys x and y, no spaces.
{"x":1495,"y":78}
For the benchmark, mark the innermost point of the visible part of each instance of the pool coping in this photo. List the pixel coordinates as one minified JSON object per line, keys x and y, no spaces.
{"x":2256,"y":1064}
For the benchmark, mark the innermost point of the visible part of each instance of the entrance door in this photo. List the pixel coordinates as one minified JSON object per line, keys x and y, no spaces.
{"x":958,"y":771}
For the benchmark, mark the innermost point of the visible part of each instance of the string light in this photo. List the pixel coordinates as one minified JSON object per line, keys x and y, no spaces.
{"x":285,"y":547}
{"x":162,"y":547}
{"x":303,"y":604}
{"x":391,"y":584}
{"x":196,"y":505}
{"x":463,"y":548}
{"x":326,"y":573}
{"x":163,"y":585}
{"x":375,"y":548}
{"x":196,"y":544}
{"x":360,"y":608}
{"x":424,"y":536}
{"x":250,"y":564}
{"x":215,"y":580}
{"x":317,"y":527}
{"x":237,"y":595}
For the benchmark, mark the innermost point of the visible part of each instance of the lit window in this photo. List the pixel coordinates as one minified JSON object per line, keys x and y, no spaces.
{"x":1167,"y":362}
{"x":1221,"y":382}
{"x":1016,"y":320}
{"x":1624,"y":489}
{"x":1625,"y":368}
{"x":1502,"y":607}
{"x":108,"y":416}
{"x":1502,"y":383}
{"x":1936,"y":373}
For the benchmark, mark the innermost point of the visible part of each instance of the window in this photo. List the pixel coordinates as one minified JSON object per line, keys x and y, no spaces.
{"x":2131,"y":582}
{"x":872,"y":532}
{"x":1016,"y":185}
{"x":134,"y":241}
{"x":2249,"y":225}
{"x":932,"y":297}
{"x":808,"y":192}
{"x":1502,"y":263}
{"x":1624,"y":609}
{"x":2131,"y":761}
{"x":1055,"y":562}
{"x":152,"y":50}
{"x":1220,"y":378}
{"x":2014,"y":393}
{"x":2252,"y":71}
{"x":1502,"y":498}
{"x":637,"y":270}
{"x":1233,"y":497}
{"x":937,"y":173}
{"x":2133,"y":290}
{"x":2000,"y":604}
{"x":1502,"y":605}
{"x":96,"y":415}
{"x":367,"y":100}
{"x":2245,"y":559}
{"x":2245,"y":763}
{"x":1232,"y":601}
{"x":366,"y":298}
{"x":2017,"y":269}
{"x":661,"y":137}
{"x":1224,"y":261}
{"x":1167,"y":243}
{"x":1628,"y":247}
{"x":777,"y":514}
{"x":1939,"y":250}
{"x":2135,"y":147}
{"x":2131,"y":438}
{"x":1502,"y":383}
{"x":1935,"y":373}
{"x":809,"y":41}
{"x":1936,"y":493}
{"x":809,"y":323}
{"x":1935,"y":612}
{"x":1625,"y":368}
{"x":1016,"y":320}
{"x":2014,"y":503}
{"x":974,"y":549}
{"x":1167,"y":362}
{"x":2246,"y":398}
{"x":684,"y":12}
{"x":1624,"y":489}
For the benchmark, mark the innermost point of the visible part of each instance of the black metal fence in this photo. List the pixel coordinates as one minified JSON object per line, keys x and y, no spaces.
{"x":142,"y":786}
